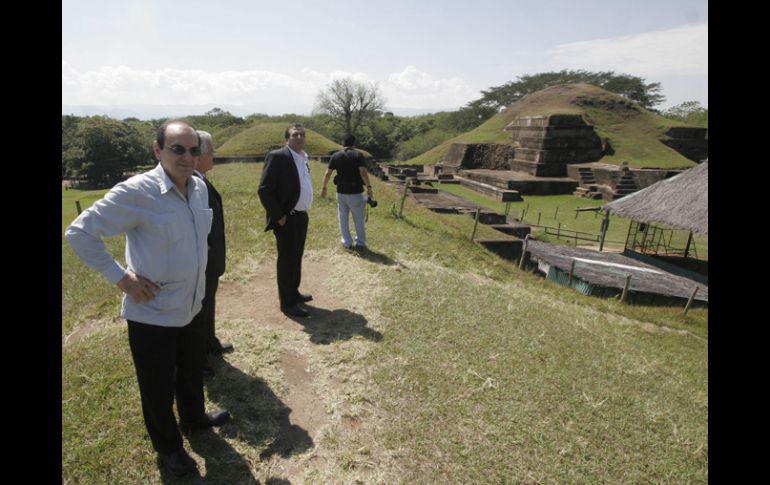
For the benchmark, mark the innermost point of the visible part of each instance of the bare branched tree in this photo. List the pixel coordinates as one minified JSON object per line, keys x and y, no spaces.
{"x":350,"y":104}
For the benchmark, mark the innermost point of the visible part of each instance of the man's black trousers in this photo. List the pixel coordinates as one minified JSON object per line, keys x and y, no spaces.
{"x":291,"y":246}
{"x":168,"y":362}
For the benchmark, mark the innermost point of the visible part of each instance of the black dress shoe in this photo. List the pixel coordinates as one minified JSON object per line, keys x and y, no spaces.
{"x":178,"y":462}
{"x":304,"y":297}
{"x":295,"y":311}
{"x":217,"y":418}
{"x":220,"y":348}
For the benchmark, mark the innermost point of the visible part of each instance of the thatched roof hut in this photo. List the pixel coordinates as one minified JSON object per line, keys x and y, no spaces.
{"x":680,"y":201}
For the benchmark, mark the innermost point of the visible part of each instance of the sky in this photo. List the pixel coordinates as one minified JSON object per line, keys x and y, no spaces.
{"x":255,"y":56}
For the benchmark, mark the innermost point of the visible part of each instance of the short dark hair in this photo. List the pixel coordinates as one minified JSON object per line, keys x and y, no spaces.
{"x":349,"y":141}
{"x":293,"y":125}
{"x":160,"y":135}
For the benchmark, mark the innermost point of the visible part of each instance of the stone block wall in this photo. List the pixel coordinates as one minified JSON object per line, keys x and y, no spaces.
{"x":476,"y":155}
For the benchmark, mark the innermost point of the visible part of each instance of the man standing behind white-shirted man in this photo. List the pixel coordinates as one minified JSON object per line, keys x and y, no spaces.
{"x":166,"y":218}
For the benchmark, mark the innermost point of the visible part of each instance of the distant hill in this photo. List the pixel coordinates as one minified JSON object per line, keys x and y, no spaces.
{"x":634,"y":133}
{"x":260,"y":138}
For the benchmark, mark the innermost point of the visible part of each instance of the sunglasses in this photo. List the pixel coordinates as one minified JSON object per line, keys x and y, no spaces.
{"x":180,"y":150}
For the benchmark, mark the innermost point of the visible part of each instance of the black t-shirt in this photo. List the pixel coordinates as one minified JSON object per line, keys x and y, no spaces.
{"x":348,"y":179}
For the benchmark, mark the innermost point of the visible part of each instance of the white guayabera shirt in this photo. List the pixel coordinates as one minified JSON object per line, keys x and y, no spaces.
{"x":166,"y":242}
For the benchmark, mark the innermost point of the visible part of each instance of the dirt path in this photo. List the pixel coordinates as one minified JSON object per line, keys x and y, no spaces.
{"x":316,"y":365}
{"x":256,"y":300}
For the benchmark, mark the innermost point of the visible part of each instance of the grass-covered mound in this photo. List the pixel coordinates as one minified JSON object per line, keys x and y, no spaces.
{"x":260,"y":138}
{"x":634,"y":133}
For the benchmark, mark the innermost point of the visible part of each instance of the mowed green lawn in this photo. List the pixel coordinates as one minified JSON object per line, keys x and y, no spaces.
{"x":558,"y":213}
{"x":483,"y":373}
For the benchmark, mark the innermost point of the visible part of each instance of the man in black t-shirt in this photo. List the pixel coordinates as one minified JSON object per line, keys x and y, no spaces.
{"x":350,"y":179}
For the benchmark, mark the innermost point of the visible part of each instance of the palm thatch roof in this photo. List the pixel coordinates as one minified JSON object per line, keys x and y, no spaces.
{"x":680,"y":201}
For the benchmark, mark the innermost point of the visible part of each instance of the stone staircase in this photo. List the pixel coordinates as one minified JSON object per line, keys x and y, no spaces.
{"x":588,"y":187}
{"x":625,"y":185}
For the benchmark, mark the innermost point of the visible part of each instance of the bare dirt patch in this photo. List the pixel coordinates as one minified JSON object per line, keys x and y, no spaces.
{"x":317,"y":363}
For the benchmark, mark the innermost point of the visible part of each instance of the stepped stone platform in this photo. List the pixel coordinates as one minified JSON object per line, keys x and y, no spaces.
{"x":444,"y":202}
{"x":506,"y":247}
{"x":691,"y":142}
{"x":447,"y":203}
{"x":493,"y":191}
{"x":545,"y":145}
{"x":522,"y":182}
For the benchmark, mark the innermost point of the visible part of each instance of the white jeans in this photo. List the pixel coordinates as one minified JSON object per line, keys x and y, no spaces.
{"x":355,"y":203}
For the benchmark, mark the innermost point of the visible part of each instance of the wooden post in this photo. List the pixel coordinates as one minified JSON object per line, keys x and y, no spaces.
{"x":558,"y":230}
{"x":605,"y":224}
{"x":576,"y":213}
{"x":556,"y":213}
{"x":644,"y":238}
{"x":523,"y":251}
{"x":571,"y":271}
{"x":687,"y":248}
{"x":475,"y":225}
{"x":689,"y":302}
{"x":538,"y":219}
{"x":403,"y":198}
{"x":631,"y":225}
{"x":77,"y":204}
{"x":625,"y":289}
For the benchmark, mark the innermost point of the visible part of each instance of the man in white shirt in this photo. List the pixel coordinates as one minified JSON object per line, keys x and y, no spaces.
{"x":286,"y":192}
{"x":166,"y":218}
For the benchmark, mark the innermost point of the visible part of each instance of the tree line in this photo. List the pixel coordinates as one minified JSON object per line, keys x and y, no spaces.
{"x":100,"y":151}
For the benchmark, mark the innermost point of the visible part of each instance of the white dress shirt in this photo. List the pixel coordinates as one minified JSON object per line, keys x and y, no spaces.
{"x":305,"y":182}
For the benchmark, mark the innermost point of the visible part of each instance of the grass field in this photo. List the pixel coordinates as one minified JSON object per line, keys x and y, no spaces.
{"x":479,"y":372}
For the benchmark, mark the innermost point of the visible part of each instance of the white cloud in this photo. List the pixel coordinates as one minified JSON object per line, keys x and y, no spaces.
{"x":124,"y":85}
{"x":414,"y":88}
{"x":115,"y":85}
{"x":677,"y":51}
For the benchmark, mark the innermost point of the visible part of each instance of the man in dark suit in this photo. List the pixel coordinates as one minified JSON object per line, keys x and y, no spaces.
{"x":216,"y":261}
{"x":286,"y":192}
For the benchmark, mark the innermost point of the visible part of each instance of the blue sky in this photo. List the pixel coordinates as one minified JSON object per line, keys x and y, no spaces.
{"x":425,"y":55}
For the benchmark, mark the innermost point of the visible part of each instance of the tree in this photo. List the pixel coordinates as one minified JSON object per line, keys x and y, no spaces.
{"x":350,"y":104}
{"x":689,"y":111}
{"x":71,"y":155}
{"x":631,"y":87}
{"x":215,"y":118}
{"x":106,"y":149}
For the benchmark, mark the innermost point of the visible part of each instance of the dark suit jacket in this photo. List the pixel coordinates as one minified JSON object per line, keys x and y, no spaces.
{"x":217,"y":254}
{"x":279,"y":186}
